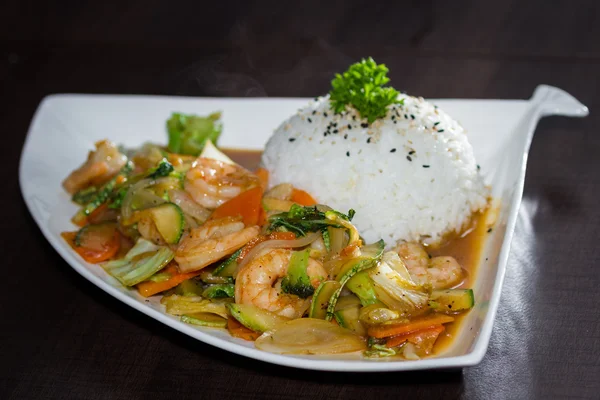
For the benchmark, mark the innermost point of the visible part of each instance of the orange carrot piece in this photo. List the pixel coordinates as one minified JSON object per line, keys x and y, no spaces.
{"x":413,"y":336}
{"x":263,"y":176}
{"x":109,"y":249}
{"x":240,"y":331}
{"x":149,"y":288}
{"x":387,"y":330}
{"x":247,"y":205}
{"x":302,"y":198}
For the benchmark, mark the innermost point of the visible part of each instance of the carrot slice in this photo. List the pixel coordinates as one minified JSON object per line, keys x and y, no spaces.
{"x":263,"y":176}
{"x":240,"y":331}
{"x":387,"y":330}
{"x":247,"y":205}
{"x":105,"y":245}
{"x":414,"y":337}
{"x":149,"y":288}
{"x":303,"y":198}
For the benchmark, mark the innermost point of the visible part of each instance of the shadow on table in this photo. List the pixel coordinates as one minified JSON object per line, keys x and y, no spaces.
{"x":221,"y":356}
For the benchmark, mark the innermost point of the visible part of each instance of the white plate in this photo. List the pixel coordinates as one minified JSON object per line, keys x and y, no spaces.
{"x":65,"y":128}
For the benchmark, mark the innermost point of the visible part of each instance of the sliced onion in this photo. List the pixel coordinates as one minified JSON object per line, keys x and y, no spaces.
{"x":279,"y":244}
{"x":188,"y":205}
{"x":310,"y":336}
{"x":126,"y":207}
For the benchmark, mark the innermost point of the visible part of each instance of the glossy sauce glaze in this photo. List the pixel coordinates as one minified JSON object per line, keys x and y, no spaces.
{"x":466,"y":248}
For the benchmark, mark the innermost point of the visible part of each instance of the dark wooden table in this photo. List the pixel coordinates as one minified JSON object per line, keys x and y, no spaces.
{"x":61,"y":337}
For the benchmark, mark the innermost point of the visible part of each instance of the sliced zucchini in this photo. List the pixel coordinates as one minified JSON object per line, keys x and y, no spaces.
{"x":370,"y":255}
{"x":228,"y":267}
{"x":321,"y":298}
{"x":204,"y":319}
{"x":362,"y":286}
{"x":452,"y":300}
{"x":169,"y":221}
{"x":255,"y":318}
{"x":349,"y":318}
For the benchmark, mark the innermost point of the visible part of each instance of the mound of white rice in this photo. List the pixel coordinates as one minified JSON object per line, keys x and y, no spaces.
{"x":410,"y":176}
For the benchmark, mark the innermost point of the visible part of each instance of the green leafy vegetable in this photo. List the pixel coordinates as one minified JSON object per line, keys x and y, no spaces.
{"x":361,"y":87}
{"x":189,"y":133}
{"x":302,"y":220}
{"x":164,"y":168}
{"x":141,"y":262}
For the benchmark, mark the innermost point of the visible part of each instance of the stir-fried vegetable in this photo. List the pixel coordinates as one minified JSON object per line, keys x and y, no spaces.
{"x":297,"y":281}
{"x":172,"y":278}
{"x":310,"y":336}
{"x":189,"y":133}
{"x":396,"y":289}
{"x":140,"y":263}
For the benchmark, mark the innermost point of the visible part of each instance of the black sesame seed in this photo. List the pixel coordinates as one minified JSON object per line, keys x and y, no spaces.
{"x":335,"y":124}
{"x":489,"y":230}
{"x":425,"y":166}
{"x":395,"y":121}
{"x":437,"y":123}
{"x":369,"y":140}
{"x":364,"y":125}
{"x":393,"y":117}
{"x":324,"y":133}
{"x":354,"y":118}
{"x":309,"y":120}
{"x":411,"y":152}
{"x":325,"y":114}
{"x":346,"y":136}
{"x":349,"y":126}
{"x":335,"y":131}
{"x":408,"y":158}
{"x":291,"y":139}
{"x":440,"y":130}
{"x":392,"y":150}
{"x":478,"y":167}
{"x":405,"y":116}
{"x":314,"y":112}
{"x":348,"y":153}
{"x":412,"y":116}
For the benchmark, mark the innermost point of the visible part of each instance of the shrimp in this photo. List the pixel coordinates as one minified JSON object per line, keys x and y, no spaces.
{"x":441,"y":272}
{"x":211,"y":182}
{"x":213,"y":241}
{"x":101,"y":165}
{"x":259,"y":283}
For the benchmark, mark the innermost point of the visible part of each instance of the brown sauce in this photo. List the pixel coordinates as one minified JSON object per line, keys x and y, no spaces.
{"x":466,"y":247}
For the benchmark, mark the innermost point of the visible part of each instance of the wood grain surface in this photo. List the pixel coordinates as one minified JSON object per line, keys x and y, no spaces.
{"x":61,"y":337}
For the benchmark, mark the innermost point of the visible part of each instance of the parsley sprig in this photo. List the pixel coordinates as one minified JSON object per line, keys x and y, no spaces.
{"x":361,"y":86}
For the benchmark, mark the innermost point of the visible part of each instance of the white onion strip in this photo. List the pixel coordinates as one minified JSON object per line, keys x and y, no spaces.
{"x":278,"y":244}
{"x":189,"y":206}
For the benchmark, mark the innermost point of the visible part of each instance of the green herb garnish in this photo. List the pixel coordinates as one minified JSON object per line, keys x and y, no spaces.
{"x":361,"y":87}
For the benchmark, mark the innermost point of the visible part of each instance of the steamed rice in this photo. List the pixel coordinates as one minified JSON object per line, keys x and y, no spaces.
{"x":410,"y":176}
